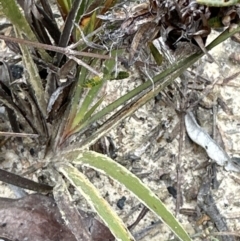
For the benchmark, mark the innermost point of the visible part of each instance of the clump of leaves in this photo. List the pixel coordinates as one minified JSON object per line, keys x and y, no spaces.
{"x":66,"y":71}
{"x":174,"y":21}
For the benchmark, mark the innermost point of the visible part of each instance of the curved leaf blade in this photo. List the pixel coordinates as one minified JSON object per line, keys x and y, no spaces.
{"x":98,"y":203}
{"x":109,"y":167}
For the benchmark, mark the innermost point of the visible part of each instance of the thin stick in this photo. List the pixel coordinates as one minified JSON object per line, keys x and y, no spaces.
{"x":18,"y":134}
{"x":86,"y":41}
{"x":179,"y":200}
{"x":67,"y":51}
{"x":80,"y":62}
{"x":139,"y":218}
{"x":19,"y":181}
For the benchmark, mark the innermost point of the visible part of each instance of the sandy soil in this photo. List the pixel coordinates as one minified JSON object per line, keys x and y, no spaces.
{"x":148,"y":144}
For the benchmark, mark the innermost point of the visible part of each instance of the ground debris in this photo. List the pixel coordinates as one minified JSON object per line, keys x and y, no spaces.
{"x":207,"y":204}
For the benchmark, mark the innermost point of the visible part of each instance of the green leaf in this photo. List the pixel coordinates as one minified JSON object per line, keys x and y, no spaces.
{"x":98,"y":203}
{"x":64,"y":7}
{"x":89,"y":83}
{"x":155,"y":53}
{"x":80,"y":115}
{"x":215,"y":22}
{"x":92,"y":109}
{"x":81,"y":118}
{"x":162,"y":77}
{"x":120,"y":75}
{"x":109,"y":167}
{"x":68,"y":210}
{"x":96,"y":84}
{"x":218,"y":3}
{"x":34,"y":79}
{"x":13,"y":13}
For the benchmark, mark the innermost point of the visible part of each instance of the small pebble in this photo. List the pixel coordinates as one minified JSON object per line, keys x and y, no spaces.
{"x":16,"y":71}
{"x":32,"y":152}
{"x":121,"y":202}
{"x":172,"y":191}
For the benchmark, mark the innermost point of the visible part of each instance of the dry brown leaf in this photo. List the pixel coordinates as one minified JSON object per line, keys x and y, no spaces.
{"x":36,"y":217}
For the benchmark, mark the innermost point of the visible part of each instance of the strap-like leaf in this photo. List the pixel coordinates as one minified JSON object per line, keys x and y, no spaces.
{"x":109,"y":167}
{"x":98,"y":203}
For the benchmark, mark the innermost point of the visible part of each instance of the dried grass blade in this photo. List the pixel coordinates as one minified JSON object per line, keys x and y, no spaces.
{"x":34,"y":80}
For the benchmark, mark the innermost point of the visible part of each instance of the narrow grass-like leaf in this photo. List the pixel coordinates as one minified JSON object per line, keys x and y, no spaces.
{"x":34,"y":79}
{"x":120,"y":75}
{"x":78,"y":91}
{"x":185,"y":63}
{"x":64,"y":7}
{"x":68,"y":27}
{"x":69,"y":212}
{"x":13,"y":13}
{"x":155,"y":53}
{"x":76,"y":96}
{"x":114,"y":170}
{"x":87,"y":115}
{"x":218,"y":3}
{"x":126,"y":111}
{"x":8,"y":102}
{"x":73,"y":107}
{"x":90,"y":24}
{"x":109,"y":66}
{"x":82,"y":9}
{"x":92,"y":93}
{"x":98,"y":203}
{"x":92,"y":109}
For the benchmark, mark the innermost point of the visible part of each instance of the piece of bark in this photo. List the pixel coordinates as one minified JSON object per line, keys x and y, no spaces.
{"x":36,"y":217}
